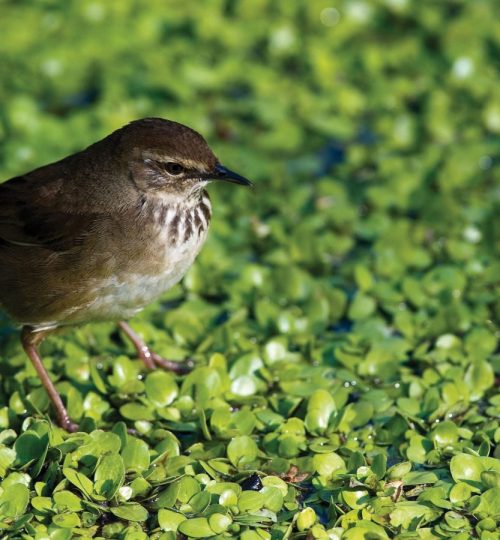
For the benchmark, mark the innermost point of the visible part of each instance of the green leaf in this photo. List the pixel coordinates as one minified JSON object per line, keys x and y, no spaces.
{"x":196,"y":528}
{"x":320,"y":407}
{"x":251,"y":501}
{"x":135,"y":455}
{"x":306,"y":519}
{"x":379,"y":465}
{"x":242,"y":451}
{"x":7,"y":458}
{"x":67,"y":521}
{"x":30,"y":446}
{"x":219,"y":523}
{"x":136,"y":411}
{"x":109,"y":476}
{"x":489,"y":504}
{"x":96,"y":444}
{"x":329,"y":465}
{"x":80,"y":481}
{"x":361,"y":307}
{"x":161,"y":388}
{"x":170,"y":520}
{"x":406,"y":511}
{"x":479,"y":377}
{"x":130,"y":512}
{"x":468,"y":468}
{"x":14,"y":501}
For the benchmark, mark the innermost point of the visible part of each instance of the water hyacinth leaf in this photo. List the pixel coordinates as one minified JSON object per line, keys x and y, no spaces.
{"x":227,"y":424}
{"x":228,"y":498}
{"x":468,"y":468}
{"x":363,"y":277}
{"x":419,"y":448}
{"x":399,"y":470}
{"x":220,"y":487}
{"x":130,"y":512}
{"x":124,"y":371}
{"x":135,"y":455}
{"x":379,"y":465}
{"x":456,"y":521}
{"x":445,"y":433}
{"x":415,"y":478}
{"x":219,"y":523}
{"x":355,"y":498}
{"x":406,"y":511}
{"x":109,"y":476}
{"x":7,"y":458}
{"x":170,"y":520}
{"x":30,"y":446}
{"x":80,"y":481}
{"x":489,"y":503}
{"x":480,"y":343}
{"x":242,"y":451}
{"x":329,"y":465}
{"x":306,"y":519}
{"x":96,"y":444}
{"x":188,"y":488}
{"x":479,"y":377}
{"x":97,"y":377}
{"x":460,"y":492}
{"x":361,"y":307}
{"x":275,"y":350}
{"x":161,"y":388}
{"x":364,"y":529}
{"x":320,"y":407}
{"x":14,"y":500}
{"x":490,"y":479}
{"x":43,"y":505}
{"x":196,"y":528}
{"x":66,"y":500}
{"x":276,"y":482}
{"x":244,"y":385}
{"x":67,"y":520}
{"x":136,"y":411}
{"x":273,"y":498}
{"x":203,"y":384}
{"x":251,"y":501}
{"x":246,"y":365}
{"x":199,"y":502}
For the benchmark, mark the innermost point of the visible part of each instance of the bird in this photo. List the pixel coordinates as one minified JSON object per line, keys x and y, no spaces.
{"x":103,"y":232}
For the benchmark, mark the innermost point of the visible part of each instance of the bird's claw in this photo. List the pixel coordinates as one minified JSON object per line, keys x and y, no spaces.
{"x":180,"y":368}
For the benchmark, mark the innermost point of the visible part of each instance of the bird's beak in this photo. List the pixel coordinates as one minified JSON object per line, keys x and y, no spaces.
{"x":227,"y":175}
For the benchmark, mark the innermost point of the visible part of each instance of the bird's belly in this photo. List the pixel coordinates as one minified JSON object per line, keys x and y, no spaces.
{"x":126,"y":292}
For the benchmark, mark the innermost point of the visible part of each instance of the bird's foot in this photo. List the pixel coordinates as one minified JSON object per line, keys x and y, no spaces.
{"x":152,"y":360}
{"x":181,"y":368}
{"x":68,"y":425}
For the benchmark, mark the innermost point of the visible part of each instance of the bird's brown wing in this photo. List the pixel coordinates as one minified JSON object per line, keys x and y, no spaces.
{"x":34,"y":212}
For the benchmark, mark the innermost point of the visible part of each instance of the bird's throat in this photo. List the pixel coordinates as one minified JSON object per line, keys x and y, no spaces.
{"x":184,"y":221}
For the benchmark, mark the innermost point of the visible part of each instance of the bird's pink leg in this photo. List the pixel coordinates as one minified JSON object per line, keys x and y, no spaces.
{"x":31,"y":341}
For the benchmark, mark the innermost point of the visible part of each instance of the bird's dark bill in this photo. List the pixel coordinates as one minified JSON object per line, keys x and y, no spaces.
{"x":227,"y":175}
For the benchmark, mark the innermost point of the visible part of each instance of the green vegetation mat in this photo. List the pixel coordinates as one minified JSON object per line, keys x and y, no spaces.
{"x":343,"y":315}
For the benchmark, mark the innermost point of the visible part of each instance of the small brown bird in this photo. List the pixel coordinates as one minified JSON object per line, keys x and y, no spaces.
{"x":103,"y":232}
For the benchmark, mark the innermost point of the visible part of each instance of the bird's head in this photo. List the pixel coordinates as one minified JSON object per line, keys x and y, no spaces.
{"x":170,"y":159}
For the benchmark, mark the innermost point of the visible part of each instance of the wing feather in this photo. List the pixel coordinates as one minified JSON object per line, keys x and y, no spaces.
{"x":33,"y":213}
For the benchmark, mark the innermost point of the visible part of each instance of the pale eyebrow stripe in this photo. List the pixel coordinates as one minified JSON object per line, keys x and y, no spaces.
{"x":188,"y":163}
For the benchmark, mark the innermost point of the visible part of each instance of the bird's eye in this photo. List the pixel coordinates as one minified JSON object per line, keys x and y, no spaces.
{"x":174,"y":168}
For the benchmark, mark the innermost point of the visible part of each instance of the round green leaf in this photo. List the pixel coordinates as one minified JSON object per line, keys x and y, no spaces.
{"x":196,"y":528}
{"x":161,"y":388}
{"x":130,"y":512}
{"x":241,"y":451}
